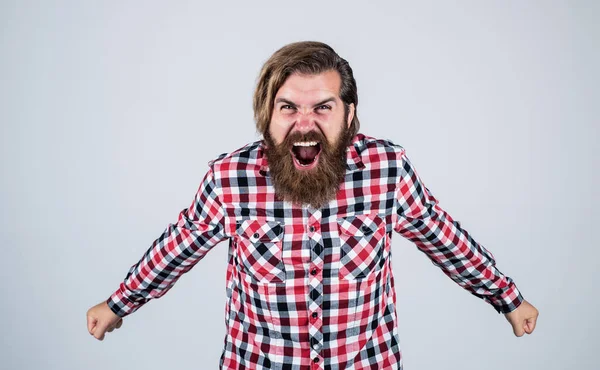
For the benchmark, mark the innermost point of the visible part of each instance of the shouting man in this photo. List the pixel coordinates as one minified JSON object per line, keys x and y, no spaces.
{"x":309,"y":213}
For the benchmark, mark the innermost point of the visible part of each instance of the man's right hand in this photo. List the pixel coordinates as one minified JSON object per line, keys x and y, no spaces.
{"x":100,"y":319}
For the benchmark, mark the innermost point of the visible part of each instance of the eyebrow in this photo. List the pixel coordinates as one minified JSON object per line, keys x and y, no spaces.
{"x":284,"y":100}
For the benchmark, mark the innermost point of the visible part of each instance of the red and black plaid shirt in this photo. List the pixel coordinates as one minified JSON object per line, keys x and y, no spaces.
{"x":313,"y":288}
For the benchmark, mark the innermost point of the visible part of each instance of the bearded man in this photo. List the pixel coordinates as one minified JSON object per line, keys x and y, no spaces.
{"x":309,"y":213}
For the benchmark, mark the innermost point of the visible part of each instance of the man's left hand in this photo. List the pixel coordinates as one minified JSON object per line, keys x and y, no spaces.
{"x":523,"y":318}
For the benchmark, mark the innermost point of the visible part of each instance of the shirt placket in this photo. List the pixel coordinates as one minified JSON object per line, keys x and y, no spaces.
{"x":315,"y":283}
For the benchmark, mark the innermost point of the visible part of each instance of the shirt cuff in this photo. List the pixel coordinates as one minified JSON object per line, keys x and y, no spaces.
{"x":120,"y":304}
{"x":508,"y":300}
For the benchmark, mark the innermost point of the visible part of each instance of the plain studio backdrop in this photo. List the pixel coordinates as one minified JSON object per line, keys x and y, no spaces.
{"x":111,"y":110}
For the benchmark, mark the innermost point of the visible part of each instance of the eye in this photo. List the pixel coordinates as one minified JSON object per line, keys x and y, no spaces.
{"x":324,"y":106}
{"x":287,"y":106}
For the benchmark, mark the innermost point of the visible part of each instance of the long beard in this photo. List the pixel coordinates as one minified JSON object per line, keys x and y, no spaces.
{"x":316,"y":186}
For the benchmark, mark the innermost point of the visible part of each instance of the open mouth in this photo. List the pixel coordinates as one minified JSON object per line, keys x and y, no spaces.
{"x":306,"y":154}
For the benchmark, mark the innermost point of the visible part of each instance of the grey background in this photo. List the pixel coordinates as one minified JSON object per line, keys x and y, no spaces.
{"x":110,"y":110}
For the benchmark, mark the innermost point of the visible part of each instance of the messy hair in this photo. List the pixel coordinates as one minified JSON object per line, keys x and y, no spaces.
{"x":304,"y":57}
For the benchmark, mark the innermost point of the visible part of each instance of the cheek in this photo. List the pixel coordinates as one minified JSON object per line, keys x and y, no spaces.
{"x":277,"y":130}
{"x":332,"y":134}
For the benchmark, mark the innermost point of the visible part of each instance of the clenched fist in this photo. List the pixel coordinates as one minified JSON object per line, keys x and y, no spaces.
{"x":523,"y":319}
{"x":101,"y":319}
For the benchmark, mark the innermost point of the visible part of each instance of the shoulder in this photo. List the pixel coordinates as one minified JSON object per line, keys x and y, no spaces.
{"x":371,"y":148}
{"x":246,"y":155}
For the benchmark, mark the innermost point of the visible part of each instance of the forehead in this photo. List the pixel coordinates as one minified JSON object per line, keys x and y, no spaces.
{"x":302,"y":88}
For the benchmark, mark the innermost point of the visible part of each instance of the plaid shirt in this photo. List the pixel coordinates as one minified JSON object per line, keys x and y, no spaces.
{"x":313,"y":288}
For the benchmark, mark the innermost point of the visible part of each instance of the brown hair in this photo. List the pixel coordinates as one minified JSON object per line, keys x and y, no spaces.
{"x":305,"y":57}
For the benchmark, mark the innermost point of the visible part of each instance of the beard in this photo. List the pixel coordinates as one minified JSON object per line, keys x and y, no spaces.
{"x":316,"y":186}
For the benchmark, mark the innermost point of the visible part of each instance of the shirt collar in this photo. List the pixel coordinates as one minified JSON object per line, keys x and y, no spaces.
{"x":353,"y":160}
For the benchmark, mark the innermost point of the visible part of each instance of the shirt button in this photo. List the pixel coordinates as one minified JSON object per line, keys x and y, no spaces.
{"x":316,"y":359}
{"x":316,"y":347}
{"x":255,"y":236}
{"x":311,"y":229}
{"x":314,"y":315}
{"x":313,"y":272}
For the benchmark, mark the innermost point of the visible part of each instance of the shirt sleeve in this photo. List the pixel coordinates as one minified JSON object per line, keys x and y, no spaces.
{"x":449,"y":246}
{"x":174,"y":252}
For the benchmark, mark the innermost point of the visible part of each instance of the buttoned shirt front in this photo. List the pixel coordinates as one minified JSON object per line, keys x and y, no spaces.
{"x":313,"y":288}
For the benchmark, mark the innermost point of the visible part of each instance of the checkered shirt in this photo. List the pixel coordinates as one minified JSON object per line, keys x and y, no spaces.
{"x":313,"y":288}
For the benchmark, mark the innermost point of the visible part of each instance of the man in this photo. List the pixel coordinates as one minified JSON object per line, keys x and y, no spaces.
{"x":309,"y":213}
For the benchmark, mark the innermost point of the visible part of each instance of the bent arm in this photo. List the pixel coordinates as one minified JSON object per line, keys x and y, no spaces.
{"x":448,"y":245}
{"x":181,"y":245}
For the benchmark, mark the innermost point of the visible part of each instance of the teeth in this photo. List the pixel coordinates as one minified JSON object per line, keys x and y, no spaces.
{"x":305,"y":143}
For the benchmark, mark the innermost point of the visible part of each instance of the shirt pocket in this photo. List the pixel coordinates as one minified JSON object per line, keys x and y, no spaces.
{"x":259,"y":249}
{"x":361,"y":241}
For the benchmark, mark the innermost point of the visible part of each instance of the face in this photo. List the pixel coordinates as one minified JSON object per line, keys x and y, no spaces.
{"x":308,"y":105}
{"x":307,"y":138}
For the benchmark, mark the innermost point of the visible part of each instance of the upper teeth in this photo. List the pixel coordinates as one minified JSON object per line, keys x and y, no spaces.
{"x":305,"y":143}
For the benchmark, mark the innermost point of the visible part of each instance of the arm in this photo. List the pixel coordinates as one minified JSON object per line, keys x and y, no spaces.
{"x":181,"y":245}
{"x":448,"y":245}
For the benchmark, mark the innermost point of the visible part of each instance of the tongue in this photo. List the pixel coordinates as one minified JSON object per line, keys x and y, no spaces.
{"x":307,"y":153}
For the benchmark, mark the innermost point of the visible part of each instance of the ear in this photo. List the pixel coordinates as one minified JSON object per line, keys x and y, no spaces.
{"x":350,"y":114}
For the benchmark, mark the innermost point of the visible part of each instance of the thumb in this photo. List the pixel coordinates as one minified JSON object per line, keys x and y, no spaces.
{"x":100,"y":330}
{"x":530,"y":325}
{"x":91,"y":324}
